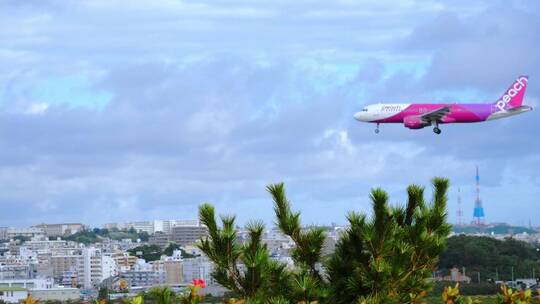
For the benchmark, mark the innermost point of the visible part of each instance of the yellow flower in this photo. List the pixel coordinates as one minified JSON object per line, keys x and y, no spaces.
{"x":29,"y":300}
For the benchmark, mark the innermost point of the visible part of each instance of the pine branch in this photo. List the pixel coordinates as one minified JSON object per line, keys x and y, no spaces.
{"x":415,"y":200}
{"x":221,"y":248}
{"x":309,"y":244}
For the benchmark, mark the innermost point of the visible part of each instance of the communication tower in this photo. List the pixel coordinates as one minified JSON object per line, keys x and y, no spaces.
{"x":478,"y":215}
{"x":459,"y":212}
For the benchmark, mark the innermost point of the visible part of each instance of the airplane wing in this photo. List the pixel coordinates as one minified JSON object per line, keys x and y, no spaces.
{"x":436,"y":115}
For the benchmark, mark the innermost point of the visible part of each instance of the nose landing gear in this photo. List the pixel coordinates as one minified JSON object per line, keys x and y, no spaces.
{"x":377,"y":129}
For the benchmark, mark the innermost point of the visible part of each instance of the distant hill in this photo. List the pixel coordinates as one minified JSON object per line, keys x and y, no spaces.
{"x":493,"y":228}
{"x":494,"y":259}
{"x":96,"y":235}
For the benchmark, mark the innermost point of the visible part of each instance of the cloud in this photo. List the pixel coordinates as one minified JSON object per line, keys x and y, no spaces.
{"x":38,"y":108}
{"x":470,"y":46}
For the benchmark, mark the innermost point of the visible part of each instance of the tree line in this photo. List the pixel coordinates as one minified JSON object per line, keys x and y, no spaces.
{"x":491,"y":258}
{"x":90,"y":236}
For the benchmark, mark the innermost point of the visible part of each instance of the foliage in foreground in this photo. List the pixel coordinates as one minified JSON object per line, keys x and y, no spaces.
{"x":469,"y":289}
{"x":450,"y":295}
{"x":385,"y":258}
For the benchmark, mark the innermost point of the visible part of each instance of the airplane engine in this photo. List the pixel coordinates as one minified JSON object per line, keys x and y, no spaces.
{"x":413,"y":122}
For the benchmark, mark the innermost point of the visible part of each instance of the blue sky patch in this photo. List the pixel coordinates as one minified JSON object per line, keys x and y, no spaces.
{"x":71,"y":91}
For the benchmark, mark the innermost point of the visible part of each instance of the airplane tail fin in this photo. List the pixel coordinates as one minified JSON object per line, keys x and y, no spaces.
{"x":513,"y":96}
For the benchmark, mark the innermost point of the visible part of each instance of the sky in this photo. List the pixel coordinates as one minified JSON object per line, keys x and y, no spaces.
{"x":117,"y":110}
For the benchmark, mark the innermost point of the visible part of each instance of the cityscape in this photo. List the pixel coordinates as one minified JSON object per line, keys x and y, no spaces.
{"x":72,"y":261}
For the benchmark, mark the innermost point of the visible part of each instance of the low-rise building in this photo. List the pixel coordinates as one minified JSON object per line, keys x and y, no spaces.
{"x":60,"y":229}
{"x":16,"y":271}
{"x":24,"y":232}
{"x":142,"y":278}
{"x":41,"y":289}
{"x":13,"y":294}
{"x":47,"y":244}
{"x":56,"y":294}
{"x":28,"y":283}
{"x":455,"y":276}
{"x":124,"y":261}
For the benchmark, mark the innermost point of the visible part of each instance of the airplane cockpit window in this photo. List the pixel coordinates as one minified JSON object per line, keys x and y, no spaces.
{"x":364,"y":110}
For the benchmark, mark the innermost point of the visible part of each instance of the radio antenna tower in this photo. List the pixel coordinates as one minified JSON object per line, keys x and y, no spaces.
{"x":478,"y":216}
{"x":459,"y":212}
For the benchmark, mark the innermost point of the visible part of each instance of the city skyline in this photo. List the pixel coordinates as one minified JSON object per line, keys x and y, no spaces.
{"x":115,"y":113}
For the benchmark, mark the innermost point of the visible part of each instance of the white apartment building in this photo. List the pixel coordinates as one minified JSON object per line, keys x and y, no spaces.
{"x":64,"y":266}
{"x":108,"y":267}
{"x":168,"y":225}
{"x":28,"y":283}
{"x":153,"y":226}
{"x":3,"y":233}
{"x":47,"y":244}
{"x":94,"y":267}
{"x":140,"y":226}
{"x":26,"y":255}
{"x":197,"y":268}
{"x":277,"y":242}
{"x":13,"y":294}
{"x":40,"y":289}
{"x":142,"y":265}
{"x":142,"y":278}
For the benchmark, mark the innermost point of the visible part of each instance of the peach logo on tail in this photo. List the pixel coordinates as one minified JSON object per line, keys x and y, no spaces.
{"x":512,"y":91}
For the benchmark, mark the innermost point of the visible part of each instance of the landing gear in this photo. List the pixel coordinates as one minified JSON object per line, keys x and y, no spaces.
{"x":436,"y":128}
{"x":377,"y":129}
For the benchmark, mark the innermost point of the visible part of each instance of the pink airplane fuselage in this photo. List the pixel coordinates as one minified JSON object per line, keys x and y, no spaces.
{"x":458,"y":112}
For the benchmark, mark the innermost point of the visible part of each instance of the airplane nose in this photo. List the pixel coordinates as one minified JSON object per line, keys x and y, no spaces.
{"x":358,"y":115}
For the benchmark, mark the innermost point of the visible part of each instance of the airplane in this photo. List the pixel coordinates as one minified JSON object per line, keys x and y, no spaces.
{"x":420,"y":115}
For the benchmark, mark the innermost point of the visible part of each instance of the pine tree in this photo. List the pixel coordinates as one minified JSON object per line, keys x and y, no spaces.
{"x":245,"y":269}
{"x":308,"y":284}
{"x":389,"y":257}
{"x":385,"y":258}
